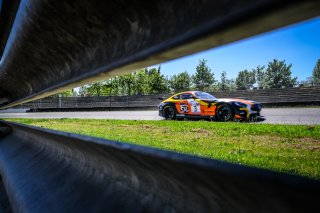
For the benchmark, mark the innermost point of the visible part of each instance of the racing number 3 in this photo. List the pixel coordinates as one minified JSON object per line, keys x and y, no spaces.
{"x":195,"y":107}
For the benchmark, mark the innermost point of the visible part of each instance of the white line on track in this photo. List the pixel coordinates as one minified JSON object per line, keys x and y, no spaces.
{"x":308,"y":116}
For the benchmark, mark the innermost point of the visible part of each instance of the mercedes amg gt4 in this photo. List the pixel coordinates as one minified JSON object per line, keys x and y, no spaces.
{"x":197,"y":104}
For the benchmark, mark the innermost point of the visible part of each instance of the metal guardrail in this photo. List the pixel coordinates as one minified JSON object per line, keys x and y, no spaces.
{"x":52,"y":171}
{"x":94,"y":102}
{"x":298,"y":95}
{"x":46,"y":54}
{"x":281,"y":95}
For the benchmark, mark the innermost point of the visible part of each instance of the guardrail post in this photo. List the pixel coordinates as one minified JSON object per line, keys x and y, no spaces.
{"x":60,"y":104}
{"x":127,"y":100}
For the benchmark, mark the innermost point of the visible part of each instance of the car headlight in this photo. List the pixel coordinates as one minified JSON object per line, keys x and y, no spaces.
{"x":240,"y":105}
{"x":161,"y":106}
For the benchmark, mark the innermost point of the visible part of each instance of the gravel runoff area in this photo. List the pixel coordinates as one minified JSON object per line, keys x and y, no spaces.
{"x":308,"y":116}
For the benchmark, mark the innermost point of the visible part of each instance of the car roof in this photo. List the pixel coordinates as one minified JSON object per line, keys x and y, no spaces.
{"x":192,"y":92}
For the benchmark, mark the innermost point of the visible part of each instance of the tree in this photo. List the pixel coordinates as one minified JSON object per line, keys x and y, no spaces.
{"x":316,"y":73}
{"x":126,"y":83}
{"x":223,"y":82}
{"x":140,"y":82}
{"x":245,"y":79}
{"x":180,"y":82}
{"x":226,"y":84}
{"x":66,"y":93}
{"x":260,"y":76}
{"x":157,"y":83}
{"x":95,"y":88}
{"x":203,"y":78}
{"x":111,"y":86}
{"x":231,"y":84}
{"x":278,"y":74}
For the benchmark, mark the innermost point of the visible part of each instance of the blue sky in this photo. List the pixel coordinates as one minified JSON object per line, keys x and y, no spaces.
{"x":298,"y":44}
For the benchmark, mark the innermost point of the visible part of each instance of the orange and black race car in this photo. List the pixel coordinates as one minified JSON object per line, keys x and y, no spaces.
{"x":197,"y":104}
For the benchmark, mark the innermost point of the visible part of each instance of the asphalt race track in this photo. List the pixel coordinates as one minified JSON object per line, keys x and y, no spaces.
{"x":308,"y":116}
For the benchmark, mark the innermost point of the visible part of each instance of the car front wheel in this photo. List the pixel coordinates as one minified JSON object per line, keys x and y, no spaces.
{"x":225,"y":113}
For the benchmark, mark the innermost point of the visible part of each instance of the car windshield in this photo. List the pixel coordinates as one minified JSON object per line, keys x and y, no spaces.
{"x":205,"y":96}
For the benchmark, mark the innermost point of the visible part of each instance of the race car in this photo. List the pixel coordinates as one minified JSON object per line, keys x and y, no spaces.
{"x":197,"y":104}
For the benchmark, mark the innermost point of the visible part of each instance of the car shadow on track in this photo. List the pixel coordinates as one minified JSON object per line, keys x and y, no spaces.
{"x":256,"y":120}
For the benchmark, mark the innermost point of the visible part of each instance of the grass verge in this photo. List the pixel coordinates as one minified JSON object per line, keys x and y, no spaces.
{"x":293,"y":149}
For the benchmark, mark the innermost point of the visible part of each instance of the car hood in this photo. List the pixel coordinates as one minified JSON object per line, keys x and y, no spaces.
{"x":236,"y":100}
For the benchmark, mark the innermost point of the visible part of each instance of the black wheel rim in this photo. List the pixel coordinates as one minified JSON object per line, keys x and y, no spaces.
{"x":225,"y":113}
{"x":169,"y":113}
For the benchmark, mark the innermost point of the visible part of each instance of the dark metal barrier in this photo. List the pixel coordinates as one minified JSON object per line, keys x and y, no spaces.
{"x":300,"y":95}
{"x":4,"y":202}
{"x":51,"y":171}
{"x":54,"y":46}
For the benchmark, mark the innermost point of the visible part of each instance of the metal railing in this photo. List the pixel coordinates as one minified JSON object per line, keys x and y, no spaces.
{"x":266,"y":96}
{"x":86,"y":174}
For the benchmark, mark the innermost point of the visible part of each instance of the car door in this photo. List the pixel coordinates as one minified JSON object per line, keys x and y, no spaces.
{"x":207,"y":106}
{"x":191,"y":106}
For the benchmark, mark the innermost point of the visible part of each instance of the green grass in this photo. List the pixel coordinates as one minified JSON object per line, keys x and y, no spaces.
{"x":292,"y":149}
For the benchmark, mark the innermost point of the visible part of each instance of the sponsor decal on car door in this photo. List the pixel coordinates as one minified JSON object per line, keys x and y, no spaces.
{"x":184,"y":107}
{"x":194,"y":107}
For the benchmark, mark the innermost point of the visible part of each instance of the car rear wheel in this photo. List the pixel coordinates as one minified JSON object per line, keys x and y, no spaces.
{"x":225,"y":113}
{"x":169,"y":113}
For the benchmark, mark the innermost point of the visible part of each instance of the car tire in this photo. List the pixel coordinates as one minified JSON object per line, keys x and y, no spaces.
{"x":224,"y":113}
{"x":169,"y":113}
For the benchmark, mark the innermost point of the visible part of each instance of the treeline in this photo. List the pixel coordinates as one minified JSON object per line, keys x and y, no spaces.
{"x":276,"y":74}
